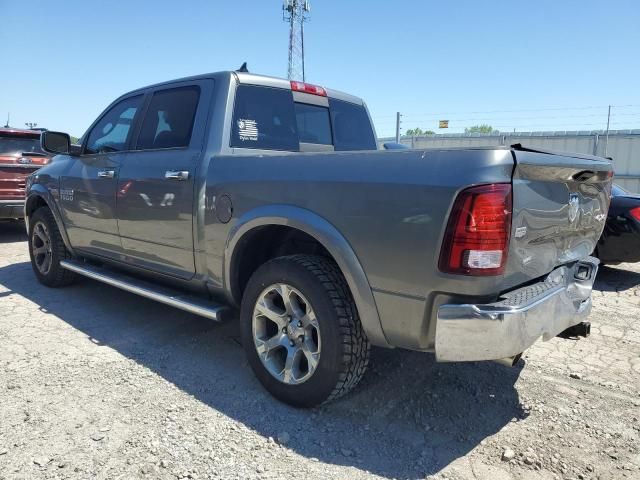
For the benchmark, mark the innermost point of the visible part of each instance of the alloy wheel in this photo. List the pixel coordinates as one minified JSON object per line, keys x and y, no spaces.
{"x":286,"y":334}
{"x":41,"y":247}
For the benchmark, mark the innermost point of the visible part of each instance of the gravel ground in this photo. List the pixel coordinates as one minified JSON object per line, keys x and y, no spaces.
{"x":98,"y":383}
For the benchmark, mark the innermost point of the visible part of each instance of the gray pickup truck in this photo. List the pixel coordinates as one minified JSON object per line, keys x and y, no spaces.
{"x":238,"y":191}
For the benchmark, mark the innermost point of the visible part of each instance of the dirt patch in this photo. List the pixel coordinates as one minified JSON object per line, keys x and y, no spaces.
{"x":99,"y":383}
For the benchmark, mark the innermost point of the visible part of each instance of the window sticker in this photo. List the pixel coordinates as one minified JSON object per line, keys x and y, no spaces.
{"x":248,"y":130}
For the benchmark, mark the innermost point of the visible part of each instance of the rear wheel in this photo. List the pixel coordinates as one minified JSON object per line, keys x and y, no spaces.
{"x":47,"y":249}
{"x":301,"y":330}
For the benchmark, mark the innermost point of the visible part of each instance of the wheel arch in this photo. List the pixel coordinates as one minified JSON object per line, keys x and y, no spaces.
{"x":245,"y":234}
{"x":41,"y":197}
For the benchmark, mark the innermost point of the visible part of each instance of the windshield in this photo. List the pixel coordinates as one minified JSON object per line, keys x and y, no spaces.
{"x":18,"y":145}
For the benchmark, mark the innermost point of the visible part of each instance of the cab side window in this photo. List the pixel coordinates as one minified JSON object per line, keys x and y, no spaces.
{"x":351,"y":126}
{"x":111,"y":133}
{"x":168,"y":122}
{"x":264,"y":118}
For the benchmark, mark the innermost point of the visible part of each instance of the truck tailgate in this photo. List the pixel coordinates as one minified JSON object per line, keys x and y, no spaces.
{"x":560,"y":204}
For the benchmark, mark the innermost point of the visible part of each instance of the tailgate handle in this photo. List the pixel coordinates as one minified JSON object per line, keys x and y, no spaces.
{"x":584,"y":175}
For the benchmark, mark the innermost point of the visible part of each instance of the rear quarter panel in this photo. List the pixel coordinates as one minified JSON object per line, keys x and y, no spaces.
{"x":391,"y":207}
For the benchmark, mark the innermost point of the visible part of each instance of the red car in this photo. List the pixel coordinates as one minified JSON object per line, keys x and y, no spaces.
{"x":20,"y":155}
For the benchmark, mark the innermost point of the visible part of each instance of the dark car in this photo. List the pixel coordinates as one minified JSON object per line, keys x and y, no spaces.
{"x":20,"y":155}
{"x":620,"y":240}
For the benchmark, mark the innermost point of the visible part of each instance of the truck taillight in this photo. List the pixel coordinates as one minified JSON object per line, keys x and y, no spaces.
{"x":476,"y":241}
{"x":308,"y":88}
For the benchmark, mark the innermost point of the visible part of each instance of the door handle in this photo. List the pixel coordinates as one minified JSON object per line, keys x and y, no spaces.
{"x":106,"y":173}
{"x":176,"y":174}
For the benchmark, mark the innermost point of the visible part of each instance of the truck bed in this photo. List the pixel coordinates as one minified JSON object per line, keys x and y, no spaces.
{"x":392,"y":207}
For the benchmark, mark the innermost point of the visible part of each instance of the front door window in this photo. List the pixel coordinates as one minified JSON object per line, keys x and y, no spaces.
{"x":111,"y":133}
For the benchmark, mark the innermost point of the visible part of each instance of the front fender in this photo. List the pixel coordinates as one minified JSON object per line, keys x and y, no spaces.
{"x":38,"y":193}
{"x":331,"y":239}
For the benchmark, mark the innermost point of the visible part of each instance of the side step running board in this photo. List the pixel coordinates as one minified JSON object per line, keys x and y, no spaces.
{"x":189,"y":303}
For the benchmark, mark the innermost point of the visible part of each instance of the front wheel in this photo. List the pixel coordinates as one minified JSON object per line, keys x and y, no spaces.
{"x":47,"y":249}
{"x":301,"y":330}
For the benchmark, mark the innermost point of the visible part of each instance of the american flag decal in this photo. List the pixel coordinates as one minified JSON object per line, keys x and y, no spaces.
{"x":248,"y":130}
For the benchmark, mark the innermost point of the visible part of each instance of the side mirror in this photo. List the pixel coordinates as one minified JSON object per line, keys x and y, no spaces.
{"x":55,"y":142}
{"x":75,"y":150}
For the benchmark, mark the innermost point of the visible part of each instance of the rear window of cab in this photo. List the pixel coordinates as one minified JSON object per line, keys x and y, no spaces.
{"x":19,"y":144}
{"x":267,"y":118}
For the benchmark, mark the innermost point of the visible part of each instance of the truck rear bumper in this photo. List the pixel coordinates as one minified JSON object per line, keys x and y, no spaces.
{"x":512,"y":324}
{"x":11,"y":208}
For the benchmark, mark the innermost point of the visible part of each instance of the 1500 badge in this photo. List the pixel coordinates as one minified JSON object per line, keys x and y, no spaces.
{"x":66,"y":194}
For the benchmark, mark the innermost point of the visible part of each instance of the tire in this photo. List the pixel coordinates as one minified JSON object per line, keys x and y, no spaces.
{"x":317,"y":289}
{"x":596,"y":253}
{"x":46,"y":263}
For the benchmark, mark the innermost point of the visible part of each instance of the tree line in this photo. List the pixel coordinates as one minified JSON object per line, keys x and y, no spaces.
{"x":483,"y":128}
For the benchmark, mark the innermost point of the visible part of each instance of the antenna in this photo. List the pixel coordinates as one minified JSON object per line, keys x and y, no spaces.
{"x":8,"y":119}
{"x":31,"y":125}
{"x":296,"y":12}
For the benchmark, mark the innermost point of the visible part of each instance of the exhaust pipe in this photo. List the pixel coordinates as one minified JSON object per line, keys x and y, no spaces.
{"x":509,"y":361}
{"x":583,"y":329}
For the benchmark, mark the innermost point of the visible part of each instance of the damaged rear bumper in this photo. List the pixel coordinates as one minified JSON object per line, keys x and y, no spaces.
{"x":512,"y":324}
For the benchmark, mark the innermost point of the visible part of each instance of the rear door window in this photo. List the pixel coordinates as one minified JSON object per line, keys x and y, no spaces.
{"x":264,"y":118}
{"x":168,"y":122}
{"x":351,"y":126}
{"x":313,"y":124}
